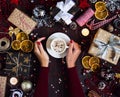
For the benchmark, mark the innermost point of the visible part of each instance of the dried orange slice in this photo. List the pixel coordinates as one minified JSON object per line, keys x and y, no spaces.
{"x":100,"y":6}
{"x":85,"y":62}
{"x":22,"y":36}
{"x":93,"y":60}
{"x":117,"y":75}
{"x":26,"y":46}
{"x":15,"y":44}
{"x":101,"y":15}
{"x":95,"y":67}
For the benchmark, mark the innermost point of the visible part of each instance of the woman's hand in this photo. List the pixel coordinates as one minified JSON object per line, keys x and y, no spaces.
{"x":41,"y":53}
{"x":72,"y":54}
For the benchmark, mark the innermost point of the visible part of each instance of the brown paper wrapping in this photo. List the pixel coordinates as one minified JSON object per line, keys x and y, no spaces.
{"x":104,"y":37}
{"x":3,"y":82}
{"x":22,"y":21}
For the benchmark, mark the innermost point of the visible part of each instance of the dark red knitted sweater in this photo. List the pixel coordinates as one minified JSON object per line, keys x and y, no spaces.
{"x":75,"y":89}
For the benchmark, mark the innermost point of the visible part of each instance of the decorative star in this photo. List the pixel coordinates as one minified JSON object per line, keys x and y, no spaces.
{"x":26,"y":60}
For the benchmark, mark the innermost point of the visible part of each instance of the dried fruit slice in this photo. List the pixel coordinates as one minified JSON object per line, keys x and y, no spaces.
{"x":15,"y":44}
{"x":26,"y":46}
{"x":93,"y":60}
{"x":22,"y":36}
{"x":95,"y":67}
{"x":85,"y":62}
{"x":100,"y":6}
{"x":101,"y":15}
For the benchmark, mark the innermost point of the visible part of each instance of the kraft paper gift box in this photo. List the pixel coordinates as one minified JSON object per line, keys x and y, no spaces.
{"x":22,"y":21}
{"x":3,"y":83}
{"x":106,"y":46}
{"x":65,"y":11}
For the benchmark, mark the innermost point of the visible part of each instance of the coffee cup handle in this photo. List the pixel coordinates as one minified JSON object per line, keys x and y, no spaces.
{"x":67,"y":46}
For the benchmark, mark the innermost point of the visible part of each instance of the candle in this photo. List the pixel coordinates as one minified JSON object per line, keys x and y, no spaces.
{"x":13,"y":80}
{"x":85,"y":32}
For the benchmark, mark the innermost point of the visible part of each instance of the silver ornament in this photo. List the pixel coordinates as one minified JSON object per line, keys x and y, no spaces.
{"x":26,"y":86}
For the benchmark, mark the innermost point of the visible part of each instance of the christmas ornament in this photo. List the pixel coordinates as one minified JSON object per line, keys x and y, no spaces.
{"x":117,"y":23}
{"x":113,"y":5}
{"x":26,"y":85}
{"x":16,"y":93}
{"x":73,"y":26}
{"x":107,"y":74}
{"x":101,"y":85}
{"x":41,"y":17}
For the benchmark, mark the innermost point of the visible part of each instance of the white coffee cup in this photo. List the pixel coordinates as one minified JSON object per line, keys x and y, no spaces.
{"x":58,"y":45}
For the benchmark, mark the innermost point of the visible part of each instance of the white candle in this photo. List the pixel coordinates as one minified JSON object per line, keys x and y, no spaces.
{"x":85,"y":32}
{"x":13,"y":80}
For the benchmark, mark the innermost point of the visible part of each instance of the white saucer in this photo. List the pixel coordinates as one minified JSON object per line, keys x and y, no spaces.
{"x":50,"y":38}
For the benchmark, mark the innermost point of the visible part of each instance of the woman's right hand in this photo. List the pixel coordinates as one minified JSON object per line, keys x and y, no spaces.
{"x":41,"y":53}
{"x":72,"y":54}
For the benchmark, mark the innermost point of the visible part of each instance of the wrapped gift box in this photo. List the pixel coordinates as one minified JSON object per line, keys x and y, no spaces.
{"x":18,"y":64}
{"x":22,"y":21}
{"x":64,"y":11}
{"x":3,"y":81}
{"x":105,"y":46}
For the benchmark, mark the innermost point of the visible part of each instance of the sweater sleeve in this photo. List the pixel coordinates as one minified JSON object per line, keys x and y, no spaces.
{"x":42,"y":85}
{"x":75,"y":88}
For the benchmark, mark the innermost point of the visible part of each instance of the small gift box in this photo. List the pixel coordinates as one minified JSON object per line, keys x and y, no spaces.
{"x":22,"y":21}
{"x":3,"y":82}
{"x":65,"y":11}
{"x":106,"y":46}
{"x":18,"y":64}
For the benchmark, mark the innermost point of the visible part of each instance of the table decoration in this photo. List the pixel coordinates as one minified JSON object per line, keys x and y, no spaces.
{"x":5,"y":41}
{"x":83,"y":19}
{"x":85,"y":32}
{"x":106,"y":47}
{"x":64,"y":11}
{"x":22,"y":21}
{"x":116,"y":23}
{"x":113,"y":5}
{"x":15,"y":67}
{"x":3,"y":81}
{"x":16,"y":93}
{"x":13,"y":80}
{"x":94,"y":26}
{"x":26,"y":85}
{"x":101,"y":12}
{"x":41,"y":16}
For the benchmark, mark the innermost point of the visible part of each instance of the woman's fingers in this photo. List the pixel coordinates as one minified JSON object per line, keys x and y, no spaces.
{"x":70,"y":50}
{"x":36,"y":50}
{"x":39,"y":45}
{"x":40,"y":39}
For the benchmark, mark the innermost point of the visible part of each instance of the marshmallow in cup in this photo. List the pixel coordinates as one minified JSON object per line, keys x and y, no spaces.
{"x":58,"y":45}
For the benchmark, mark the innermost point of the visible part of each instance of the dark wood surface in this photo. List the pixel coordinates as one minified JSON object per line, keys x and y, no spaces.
{"x":57,"y":73}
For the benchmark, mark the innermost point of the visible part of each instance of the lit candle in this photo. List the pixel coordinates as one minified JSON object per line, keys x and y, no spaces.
{"x":13,"y":80}
{"x":85,"y":32}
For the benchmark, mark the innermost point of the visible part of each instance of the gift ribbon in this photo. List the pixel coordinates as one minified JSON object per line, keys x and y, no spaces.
{"x":104,"y":46}
{"x":94,"y":26}
{"x":63,"y":13}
